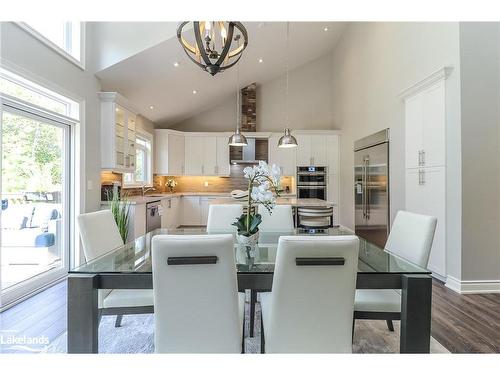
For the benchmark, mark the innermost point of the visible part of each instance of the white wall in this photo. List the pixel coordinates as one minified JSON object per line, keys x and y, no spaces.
{"x":480,"y":87}
{"x":27,"y":53}
{"x":116,"y":41}
{"x":372,"y":64}
{"x":310,"y":97}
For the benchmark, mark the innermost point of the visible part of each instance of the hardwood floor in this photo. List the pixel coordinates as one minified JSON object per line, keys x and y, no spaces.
{"x":461,"y":323}
{"x":465,"y":323}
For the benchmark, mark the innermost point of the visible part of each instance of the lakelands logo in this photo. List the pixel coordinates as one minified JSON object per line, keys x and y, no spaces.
{"x":11,"y":338}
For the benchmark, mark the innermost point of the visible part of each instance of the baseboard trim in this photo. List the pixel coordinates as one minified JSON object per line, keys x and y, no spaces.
{"x":472,"y":286}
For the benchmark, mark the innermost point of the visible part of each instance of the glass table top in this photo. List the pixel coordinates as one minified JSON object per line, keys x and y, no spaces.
{"x":135,"y":256}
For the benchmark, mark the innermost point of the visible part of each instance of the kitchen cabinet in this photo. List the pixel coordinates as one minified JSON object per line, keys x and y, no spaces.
{"x":201,"y":156}
{"x":332,"y":154}
{"x":426,"y":195}
{"x":425,"y":119}
{"x":425,"y":134}
{"x":204,"y":204}
{"x":169,"y":153}
{"x":171,"y":212}
{"x":118,"y":131}
{"x":312,"y":149}
{"x":191,"y":210}
{"x":222,"y":165}
{"x":285,"y":158}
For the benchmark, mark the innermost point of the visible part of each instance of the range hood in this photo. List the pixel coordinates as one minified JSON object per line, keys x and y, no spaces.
{"x":249,"y":154}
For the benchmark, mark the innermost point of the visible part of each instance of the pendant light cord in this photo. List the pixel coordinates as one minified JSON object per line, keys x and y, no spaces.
{"x":238,"y":117}
{"x":286,"y":74}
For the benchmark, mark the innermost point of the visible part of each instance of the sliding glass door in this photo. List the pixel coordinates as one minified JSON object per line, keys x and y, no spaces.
{"x":34,"y":220}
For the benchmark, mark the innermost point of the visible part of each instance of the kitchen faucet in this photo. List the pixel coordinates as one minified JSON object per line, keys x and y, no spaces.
{"x":144,"y":190}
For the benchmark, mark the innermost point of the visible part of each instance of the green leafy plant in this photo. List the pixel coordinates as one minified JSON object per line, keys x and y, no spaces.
{"x":121,"y":213}
{"x":253,"y":227}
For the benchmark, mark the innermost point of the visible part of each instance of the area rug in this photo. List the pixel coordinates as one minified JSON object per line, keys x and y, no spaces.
{"x":136,"y":335}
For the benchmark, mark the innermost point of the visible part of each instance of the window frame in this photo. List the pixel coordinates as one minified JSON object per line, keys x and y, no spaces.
{"x":149,"y":162}
{"x":79,"y":63}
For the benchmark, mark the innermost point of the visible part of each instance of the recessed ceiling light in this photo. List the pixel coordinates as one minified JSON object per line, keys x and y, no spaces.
{"x":151,"y":107}
{"x":195,"y":92}
{"x":260,"y":60}
{"x":176,"y":64}
{"x":325,"y":28}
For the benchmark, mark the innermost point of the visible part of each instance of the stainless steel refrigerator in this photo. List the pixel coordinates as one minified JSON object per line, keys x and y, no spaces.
{"x":371,"y":187}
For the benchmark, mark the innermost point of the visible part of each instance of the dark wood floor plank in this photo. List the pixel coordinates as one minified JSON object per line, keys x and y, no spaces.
{"x":465,"y":323}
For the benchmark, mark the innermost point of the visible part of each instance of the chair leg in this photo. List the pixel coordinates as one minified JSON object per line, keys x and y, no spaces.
{"x":118,"y":322}
{"x":390,"y":326}
{"x":262,"y":337}
{"x":352,"y":335}
{"x":253,"y":300}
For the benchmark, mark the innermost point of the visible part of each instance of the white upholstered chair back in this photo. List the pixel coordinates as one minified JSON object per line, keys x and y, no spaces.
{"x":99,"y":233}
{"x":311,"y":306}
{"x":281,"y":219}
{"x":411,"y":237}
{"x":196,"y":305}
{"x":221,"y":216}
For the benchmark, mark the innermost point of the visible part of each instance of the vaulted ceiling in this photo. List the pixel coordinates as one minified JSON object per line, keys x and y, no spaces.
{"x":149,"y":77}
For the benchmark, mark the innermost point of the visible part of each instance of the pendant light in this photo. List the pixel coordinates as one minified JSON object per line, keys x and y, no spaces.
{"x":287,"y":140}
{"x":238,"y":139}
{"x":214,"y":49}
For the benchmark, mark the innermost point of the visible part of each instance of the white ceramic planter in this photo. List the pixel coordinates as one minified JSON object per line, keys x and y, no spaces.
{"x":248,"y":241}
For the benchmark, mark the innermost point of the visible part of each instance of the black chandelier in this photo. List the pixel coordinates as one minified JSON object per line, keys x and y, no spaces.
{"x":218,"y":44}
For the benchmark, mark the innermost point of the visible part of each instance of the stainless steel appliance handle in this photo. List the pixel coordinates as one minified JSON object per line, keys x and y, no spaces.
{"x":363,"y":184}
{"x":367,"y":194}
{"x":315,"y":187}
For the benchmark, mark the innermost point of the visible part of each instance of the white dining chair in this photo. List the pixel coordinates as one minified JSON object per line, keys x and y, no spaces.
{"x":310,"y":308}
{"x":99,"y":234}
{"x":197,"y":305}
{"x":221,"y":216}
{"x":410,"y":238}
{"x":280,"y":220}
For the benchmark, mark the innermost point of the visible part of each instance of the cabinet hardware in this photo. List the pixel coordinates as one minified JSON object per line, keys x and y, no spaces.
{"x":419,"y":158}
{"x":423,"y":157}
{"x":202,"y":169}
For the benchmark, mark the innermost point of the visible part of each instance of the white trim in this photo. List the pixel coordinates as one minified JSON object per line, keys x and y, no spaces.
{"x":473,"y":286}
{"x":428,"y":81}
{"x":119,"y":99}
{"x":37,"y":35}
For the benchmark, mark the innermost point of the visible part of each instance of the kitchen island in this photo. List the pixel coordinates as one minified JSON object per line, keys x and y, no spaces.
{"x":294,"y":202}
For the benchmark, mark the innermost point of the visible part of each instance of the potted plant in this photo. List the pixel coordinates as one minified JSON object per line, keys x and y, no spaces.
{"x":121,"y":213}
{"x":263,"y":184}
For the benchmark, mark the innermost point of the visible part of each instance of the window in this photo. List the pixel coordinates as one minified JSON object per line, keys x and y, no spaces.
{"x":21,"y":88}
{"x":64,"y":37}
{"x":143,"y":167}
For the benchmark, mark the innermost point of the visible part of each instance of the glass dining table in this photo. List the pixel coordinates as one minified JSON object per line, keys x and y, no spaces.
{"x":130,"y":267}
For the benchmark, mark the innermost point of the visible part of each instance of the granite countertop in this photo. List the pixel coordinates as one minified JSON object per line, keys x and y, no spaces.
{"x":138,"y":199}
{"x":294,"y":202}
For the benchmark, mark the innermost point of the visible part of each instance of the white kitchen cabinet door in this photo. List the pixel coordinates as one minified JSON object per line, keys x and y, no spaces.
{"x":426,"y":195}
{"x":332,"y":154}
{"x":176,"y":154}
{"x":209,"y":162}
{"x":169,"y":153}
{"x":285,"y":158}
{"x":205,"y":203}
{"x":223,"y":156}
{"x":413,"y":129}
{"x":175,"y":213}
{"x":318,"y":150}
{"x":165,"y":212}
{"x":161,"y":150}
{"x":191,"y":210}
{"x":139,"y":221}
{"x":304,"y":157}
{"x":193,"y":156}
{"x":434,"y":126}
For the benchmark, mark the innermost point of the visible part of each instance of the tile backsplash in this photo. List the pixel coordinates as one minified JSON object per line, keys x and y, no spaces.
{"x":196,"y":184}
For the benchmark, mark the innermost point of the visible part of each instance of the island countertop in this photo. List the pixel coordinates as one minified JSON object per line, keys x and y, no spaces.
{"x":294,"y":202}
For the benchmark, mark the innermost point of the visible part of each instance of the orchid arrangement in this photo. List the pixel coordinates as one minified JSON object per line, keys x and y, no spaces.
{"x":263,"y":184}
